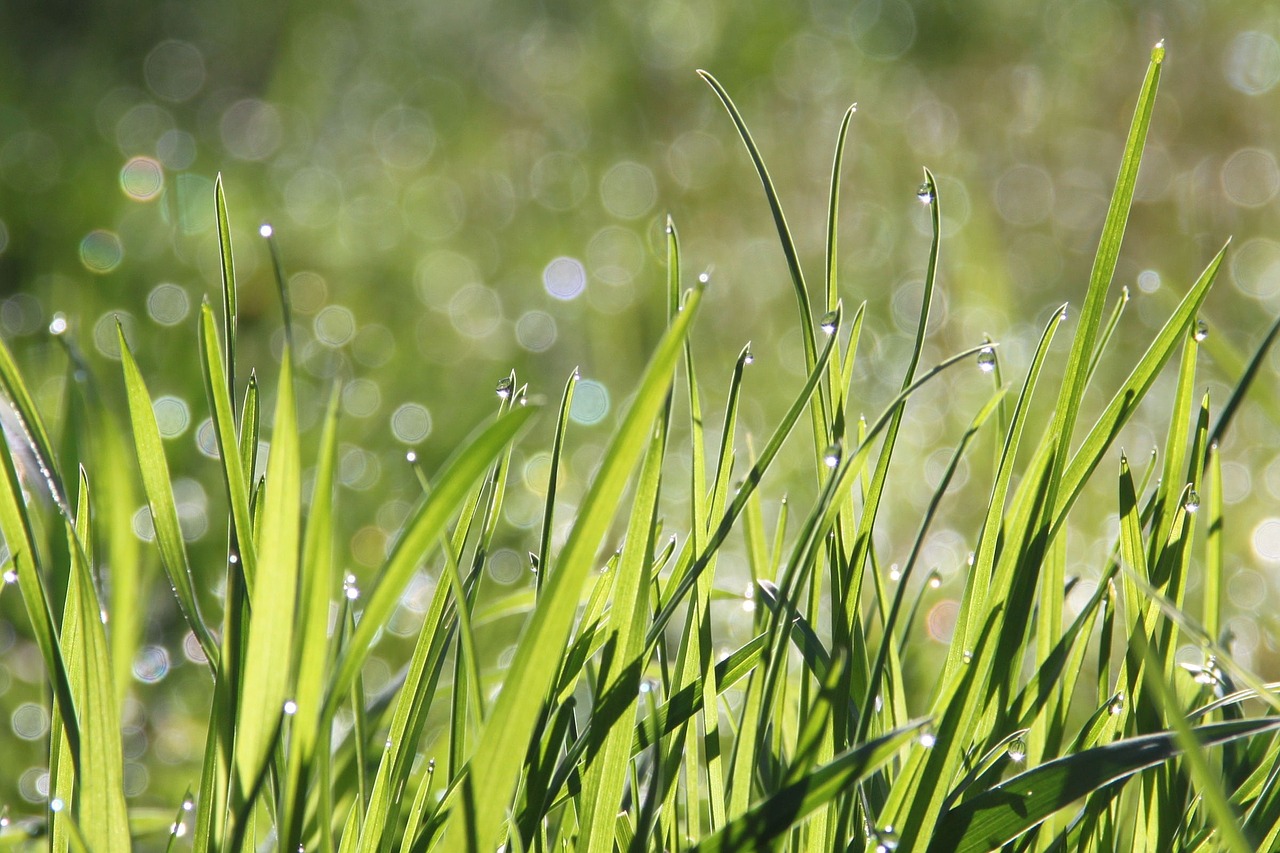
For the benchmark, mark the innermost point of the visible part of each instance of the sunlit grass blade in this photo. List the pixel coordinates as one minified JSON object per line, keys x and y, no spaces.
{"x":996,"y":817}
{"x":765,"y":821}
{"x":158,"y":487}
{"x":230,"y":307}
{"x":100,"y":805}
{"x":267,"y":683}
{"x":553,"y":476}
{"x":312,"y":648}
{"x":421,"y":533}
{"x":235,"y":477}
{"x":1243,"y":385}
{"x":491,"y":779}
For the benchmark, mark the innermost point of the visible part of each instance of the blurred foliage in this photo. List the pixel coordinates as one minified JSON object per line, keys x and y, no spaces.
{"x":462,"y":189}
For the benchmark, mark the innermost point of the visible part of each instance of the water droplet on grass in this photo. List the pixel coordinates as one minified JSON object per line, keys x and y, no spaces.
{"x":831,"y":458}
{"x":1117,"y":705}
{"x":748,"y":357}
{"x":1192,"y":503}
{"x":58,"y":325}
{"x":1017,"y":750}
{"x":885,"y":839}
{"x":11,"y":576}
{"x":925,"y":193}
{"x":928,"y":739}
{"x":1202,"y":330}
{"x":265,"y":230}
{"x":987,"y":360}
{"x":829,"y":322}
{"x":504,"y":387}
{"x":967,"y":657}
{"x":349,"y":587}
{"x":290,"y":707}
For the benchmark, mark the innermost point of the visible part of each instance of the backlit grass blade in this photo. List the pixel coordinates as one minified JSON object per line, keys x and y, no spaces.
{"x":1243,"y":385}
{"x":230,"y":307}
{"x":158,"y":486}
{"x":1132,"y":391}
{"x":312,"y":649}
{"x":267,"y":675}
{"x":994,"y":818}
{"x":492,"y":777}
{"x":235,"y":477}
{"x":620,"y":673}
{"x":421,"y":533}
{"x":765,"y":821}
{"x":32,"y":428}
{"x":100,"y":806}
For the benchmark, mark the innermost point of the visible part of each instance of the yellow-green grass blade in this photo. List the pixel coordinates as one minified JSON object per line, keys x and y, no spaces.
{"x":18,"y":535}
{"x":1215,"y":555}
{"x":32,"y":427}
{"x":235,"y":477}
{"x":100,"y":804}
{"x":1104,"y":264}
{"x":993,"y":818}
{"x":833,"y":211}
{"x":1131,"y":392}
{"x":267,"y":675}
{"x":1242,"y":387}
{"x":1172,"y":482}
{"x":492,"y":777}
{"x":768,"y":819}
{"x":621,"y":669}
{"x":1108,"y":331}
{"x":158,"y":487}
{"x":312,"y":651}
{"x":421,"y":534}
{"x":230,"y":308}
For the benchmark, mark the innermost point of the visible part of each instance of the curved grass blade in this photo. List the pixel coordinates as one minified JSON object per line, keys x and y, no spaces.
{"x":1242,"y":387}
{"x":492,"y":777}
{"x":158,"y":486}
{"x":553,"y":477}
{"x":421,"y":534}
{"x":230,"y":309}
{"x":994,"y":818}
{"x":757,"y":829}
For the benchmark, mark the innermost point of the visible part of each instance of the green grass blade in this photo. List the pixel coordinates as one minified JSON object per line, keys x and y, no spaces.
{"x":996,"y":817}
{"x":765,"y":821}
{"x":158,"y":486}
{"x":266,"y":682}
{"x":101,"y":806}
{"x":421,"y":534}
{"x":553,"y":477}
{"x":529,"y":678}
{"x":230,"y":308}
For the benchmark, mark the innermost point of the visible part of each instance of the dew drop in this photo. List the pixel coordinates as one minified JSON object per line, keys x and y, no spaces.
{"x":886,"y":839}
{"x":925,"y":193}
{"x":1062,"y":315}
{"x":349,"y":587}
{"x":431,"y":765}
{"x":1017,"y":750}
{"x":1124,"y":294}
{"x":705,"y":278}
{"x":831,"y":458}
{"x":987,"y":360}
{"x":411,"y":457}
{"x":188,"y":803}
{"x":11,"y":576}
{"x":967,"y":657}
{"x":291,"y":707}
{"x":1202,"y":330}
{"x":504,"y":387}
{"x":533,"y":562}
{"x":1117,"y":705}
{"x":895,"y":573}
{"x":58,"y":325}
{"x":748,"y":357}
{"x":829,"y":322}
{"x":265,"y":230}
{"x":56,"y":804}
{"x":928,"y":739}
{"x":935,"y":581}
{"x":233,"y":559}
{"x":1192,"y":502}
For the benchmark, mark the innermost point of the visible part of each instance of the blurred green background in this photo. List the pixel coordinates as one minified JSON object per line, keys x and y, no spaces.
{"x":463,"y":189}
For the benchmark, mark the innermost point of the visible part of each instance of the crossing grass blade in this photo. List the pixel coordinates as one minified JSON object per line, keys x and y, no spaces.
{"x":491,"y":779}
{"x":994,"y":818}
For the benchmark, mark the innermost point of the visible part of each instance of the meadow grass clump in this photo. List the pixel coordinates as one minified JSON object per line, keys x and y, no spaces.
{"x":619,"y":722}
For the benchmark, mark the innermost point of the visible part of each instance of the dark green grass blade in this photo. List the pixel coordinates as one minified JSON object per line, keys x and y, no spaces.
{"x":764,"y":822}
{"x":996,"y":817}
{"x":158,"y":487}
{"x":553,"y":479}
{"x":492,"y":778}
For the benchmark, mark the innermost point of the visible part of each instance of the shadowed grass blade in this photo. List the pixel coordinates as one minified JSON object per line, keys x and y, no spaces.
{"x":994,"y":818}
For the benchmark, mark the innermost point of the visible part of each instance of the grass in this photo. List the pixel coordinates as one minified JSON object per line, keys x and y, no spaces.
{"x":619,"y":722}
